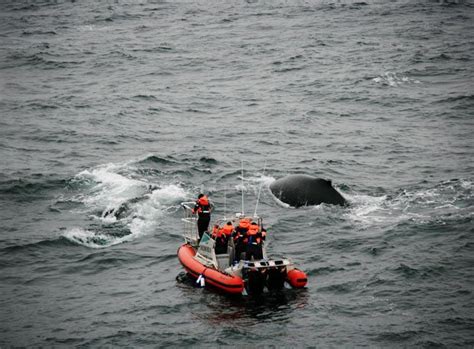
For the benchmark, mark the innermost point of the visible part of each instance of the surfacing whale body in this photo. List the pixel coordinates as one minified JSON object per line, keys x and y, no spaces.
{"x":303,"y":190}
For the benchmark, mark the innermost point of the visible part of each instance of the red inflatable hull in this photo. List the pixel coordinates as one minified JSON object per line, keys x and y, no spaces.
{"x":296,"y":278}
{"x":226,"y":283}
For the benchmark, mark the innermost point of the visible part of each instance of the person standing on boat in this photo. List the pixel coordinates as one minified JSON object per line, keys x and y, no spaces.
{"x":254,"y":242}
{"x":240,"y":234}
{"x":203,"y":209}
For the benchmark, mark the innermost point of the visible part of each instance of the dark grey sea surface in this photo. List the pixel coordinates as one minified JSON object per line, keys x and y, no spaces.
{"x":131,"y":107}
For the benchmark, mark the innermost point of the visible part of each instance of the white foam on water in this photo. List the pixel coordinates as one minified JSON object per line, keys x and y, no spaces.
{"x":262,"y":179}
{"x":111,"y":189}
{"x":143,"y":218}
{"x":465,"y":184}
{"x":367,"y":209}
{"x":370,"y":211}
{"x":447,"y":199}
{"x":93,"y":239}
{"x":394,"y":79}
{"x":168,"y":195}
{"x":253,"y":183}
{"x":148,"y":213}
{"x":140,"y":208}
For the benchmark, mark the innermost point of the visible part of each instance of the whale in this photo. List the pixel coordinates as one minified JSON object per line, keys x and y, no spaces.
{"x":303,"y":190}
{"x":123,"y":210}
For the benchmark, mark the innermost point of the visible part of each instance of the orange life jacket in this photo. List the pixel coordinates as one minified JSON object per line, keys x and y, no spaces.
{"x":253,"y":229}
{"x":244,"y":223}
{"x":202,"y":206}
{"x":215,"y":231}
{"x":203,"y":201}
{"x":253,"y":234}
{"x":227,"y":229}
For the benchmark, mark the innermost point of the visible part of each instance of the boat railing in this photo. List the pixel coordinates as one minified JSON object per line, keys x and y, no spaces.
{"x":190,"y":232}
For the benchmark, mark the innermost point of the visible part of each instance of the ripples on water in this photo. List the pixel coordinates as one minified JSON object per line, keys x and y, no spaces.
{"x":115,"y":112}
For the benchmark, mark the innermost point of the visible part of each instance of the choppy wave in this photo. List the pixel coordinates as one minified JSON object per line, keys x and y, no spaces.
{"x":154,"y":159}
{"x":114,"y":112}
{"x":29,"y":187}
{"x":53,"y":243}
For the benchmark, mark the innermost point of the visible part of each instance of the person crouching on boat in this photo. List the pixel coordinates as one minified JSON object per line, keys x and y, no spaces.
{"x":254,"y":242}
{"x":240,"y":234}
{"x":221,"y":239}
{"x":203,"y":209}
{"x":227,"y":229}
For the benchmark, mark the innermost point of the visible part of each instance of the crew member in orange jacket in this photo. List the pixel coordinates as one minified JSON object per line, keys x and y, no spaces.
{"x":227,"y":229}
{"x":221,"y":239}
{"x":203,"y":209}
{"x":254,"y":242}
{"x":240,"y":235}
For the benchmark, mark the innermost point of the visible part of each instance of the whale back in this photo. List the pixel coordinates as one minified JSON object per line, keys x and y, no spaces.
{"x":303,"y":190}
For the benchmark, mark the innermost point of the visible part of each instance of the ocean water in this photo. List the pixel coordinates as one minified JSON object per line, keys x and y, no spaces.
{"x":114,"y":112}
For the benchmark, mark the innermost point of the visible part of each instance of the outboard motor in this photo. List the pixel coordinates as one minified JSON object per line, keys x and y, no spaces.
{"x":276,"y":278}
{"x":255,"y":282}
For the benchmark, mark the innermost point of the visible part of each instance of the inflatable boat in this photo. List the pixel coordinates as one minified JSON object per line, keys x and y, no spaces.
{"x":230,"y":272}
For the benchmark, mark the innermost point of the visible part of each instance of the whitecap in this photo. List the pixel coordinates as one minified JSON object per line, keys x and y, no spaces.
{"x":394,"y":79}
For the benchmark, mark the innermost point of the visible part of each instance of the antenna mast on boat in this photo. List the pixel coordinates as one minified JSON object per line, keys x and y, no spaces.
{"x":243,"y":212}
{"x":260,"y":190}
{"x":225,"y":203}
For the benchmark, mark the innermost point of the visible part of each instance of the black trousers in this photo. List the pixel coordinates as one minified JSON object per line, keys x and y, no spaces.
{"x":254,"y":251}
{"x":203,"y":224}
{"x":221,"y":245}
{"x":239,"y":248}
